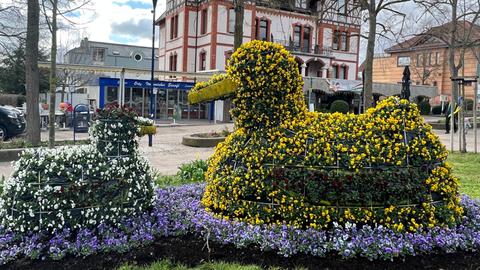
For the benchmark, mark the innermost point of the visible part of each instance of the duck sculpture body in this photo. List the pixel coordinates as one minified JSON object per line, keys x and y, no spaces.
{"x":286,"y":165}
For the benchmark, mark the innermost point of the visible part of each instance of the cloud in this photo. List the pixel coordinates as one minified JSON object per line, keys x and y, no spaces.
{"x":140,"y":29}
{"x":119,"y":21}
{"x":135,"y":4}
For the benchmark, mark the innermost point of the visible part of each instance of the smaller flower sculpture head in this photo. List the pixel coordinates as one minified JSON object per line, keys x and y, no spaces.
{"x":269,"y":85}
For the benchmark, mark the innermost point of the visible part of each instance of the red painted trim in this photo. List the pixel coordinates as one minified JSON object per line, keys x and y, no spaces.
{"x":185,"y":40}
{"x":348,"y":61}
{"x":229,"y":34}
{"x":213,"y":50}
{"x":173,"y":49}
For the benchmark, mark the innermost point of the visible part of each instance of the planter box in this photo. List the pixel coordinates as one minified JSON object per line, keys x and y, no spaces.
{"x":195,"y":141}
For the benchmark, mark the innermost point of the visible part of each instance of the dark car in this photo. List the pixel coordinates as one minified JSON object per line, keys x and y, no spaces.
{"x":12,"y":122}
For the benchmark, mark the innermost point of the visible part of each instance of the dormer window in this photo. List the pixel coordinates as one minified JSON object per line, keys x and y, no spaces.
{"x":98,"y":54}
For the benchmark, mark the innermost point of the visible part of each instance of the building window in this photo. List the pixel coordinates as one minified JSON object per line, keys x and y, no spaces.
{"x":263,"y":29}
{"x":336,"y":40}
{"x":420,"y":60}
{"x":340,"y":40}
{"x":138,"y":57}
{"x":204,"y":23}
{"x":344,"y":41}
{"x":335,"y":72}
{"x":437,"y":58}
{"x":173,"y":62}
{"x":203,"y":61}
{"x":231,"y":20}
{"x":174,"y":27}
{"x":297,"y":32}
{"x":342,"y":7}
{"x":403,"y":61}
{"x":228,"y":55}
{"x":306,"y":39}
{"x":342,"y":72}
{"x":301,"y":4}
{"x":98,"y":54}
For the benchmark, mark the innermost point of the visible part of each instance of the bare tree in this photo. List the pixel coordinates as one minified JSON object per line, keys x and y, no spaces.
{"x":52,"y":25}
{"x":51,"y":11}
{"x":459,"y":18}
{"x":373,"y":9}
{"x":32,"y":73}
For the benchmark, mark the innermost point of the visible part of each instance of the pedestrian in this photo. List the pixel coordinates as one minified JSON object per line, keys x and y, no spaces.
{"x":448,"y":115}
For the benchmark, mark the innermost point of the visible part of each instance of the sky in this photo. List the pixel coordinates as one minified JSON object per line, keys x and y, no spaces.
{"x":117,"y":21}
{"x":130,"y":22}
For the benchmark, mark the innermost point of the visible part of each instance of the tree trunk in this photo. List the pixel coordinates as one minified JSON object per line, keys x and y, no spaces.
{"x":239,"y":14}
{"x":53,"y":76}
{"x":372,"y":30}
{"x":31,"y":73}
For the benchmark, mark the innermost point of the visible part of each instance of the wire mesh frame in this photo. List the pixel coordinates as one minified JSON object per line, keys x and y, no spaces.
{"x":41,"y":183}
{"x":309,"y":140}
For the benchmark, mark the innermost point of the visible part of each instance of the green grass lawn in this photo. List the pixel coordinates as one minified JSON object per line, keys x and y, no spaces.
{"x":167,"y":265}
{"x":467,"y":168}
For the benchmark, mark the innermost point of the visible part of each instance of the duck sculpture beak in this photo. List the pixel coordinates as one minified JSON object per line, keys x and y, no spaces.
{"x":219,"y":90}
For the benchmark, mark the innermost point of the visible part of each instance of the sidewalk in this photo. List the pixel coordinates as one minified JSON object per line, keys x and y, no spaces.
{"x":167,"y":152}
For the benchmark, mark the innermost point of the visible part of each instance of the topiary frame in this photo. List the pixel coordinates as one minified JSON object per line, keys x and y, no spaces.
{"x":324,"y":157}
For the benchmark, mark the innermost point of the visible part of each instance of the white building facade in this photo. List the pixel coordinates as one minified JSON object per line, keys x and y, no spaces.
{"x":198,"y":35}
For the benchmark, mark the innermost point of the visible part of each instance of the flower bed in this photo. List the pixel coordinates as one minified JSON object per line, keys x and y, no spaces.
{"x":178,"y":212}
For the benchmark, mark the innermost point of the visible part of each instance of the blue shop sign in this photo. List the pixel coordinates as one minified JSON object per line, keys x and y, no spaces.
{"x":115,"y":82}
{"x":146,"y":83}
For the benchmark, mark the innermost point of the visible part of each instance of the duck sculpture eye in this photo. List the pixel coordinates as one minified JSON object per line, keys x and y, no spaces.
{"x":285,"y":165}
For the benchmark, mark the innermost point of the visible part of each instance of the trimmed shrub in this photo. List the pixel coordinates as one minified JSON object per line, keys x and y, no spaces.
{"x":193,"y":172}
{"x":340,"y":106}
{"x":424,"y":107}
{"x":437,"y":109}
{"x":77,"y":187}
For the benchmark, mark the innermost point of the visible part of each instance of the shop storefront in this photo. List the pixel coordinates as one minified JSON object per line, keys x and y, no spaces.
{"x":170,"y":98}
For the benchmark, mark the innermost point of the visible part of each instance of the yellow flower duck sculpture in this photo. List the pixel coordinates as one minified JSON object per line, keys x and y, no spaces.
{"x":285,"y":165}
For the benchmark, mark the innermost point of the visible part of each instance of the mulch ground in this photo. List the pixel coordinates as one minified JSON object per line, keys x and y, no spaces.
{"x":192,"y":251}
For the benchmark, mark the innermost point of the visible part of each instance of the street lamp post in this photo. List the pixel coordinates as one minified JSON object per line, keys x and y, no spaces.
{"x":151,"y":96}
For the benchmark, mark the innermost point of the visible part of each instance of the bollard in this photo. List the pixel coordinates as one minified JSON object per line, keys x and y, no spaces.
{"x":150,"y":140}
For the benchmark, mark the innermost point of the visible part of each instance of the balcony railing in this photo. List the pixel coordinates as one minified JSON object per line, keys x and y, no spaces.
{"x":306,"y":48}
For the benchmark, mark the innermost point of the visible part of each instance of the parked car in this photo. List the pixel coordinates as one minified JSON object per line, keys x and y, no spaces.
{"x":12,"y":122}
